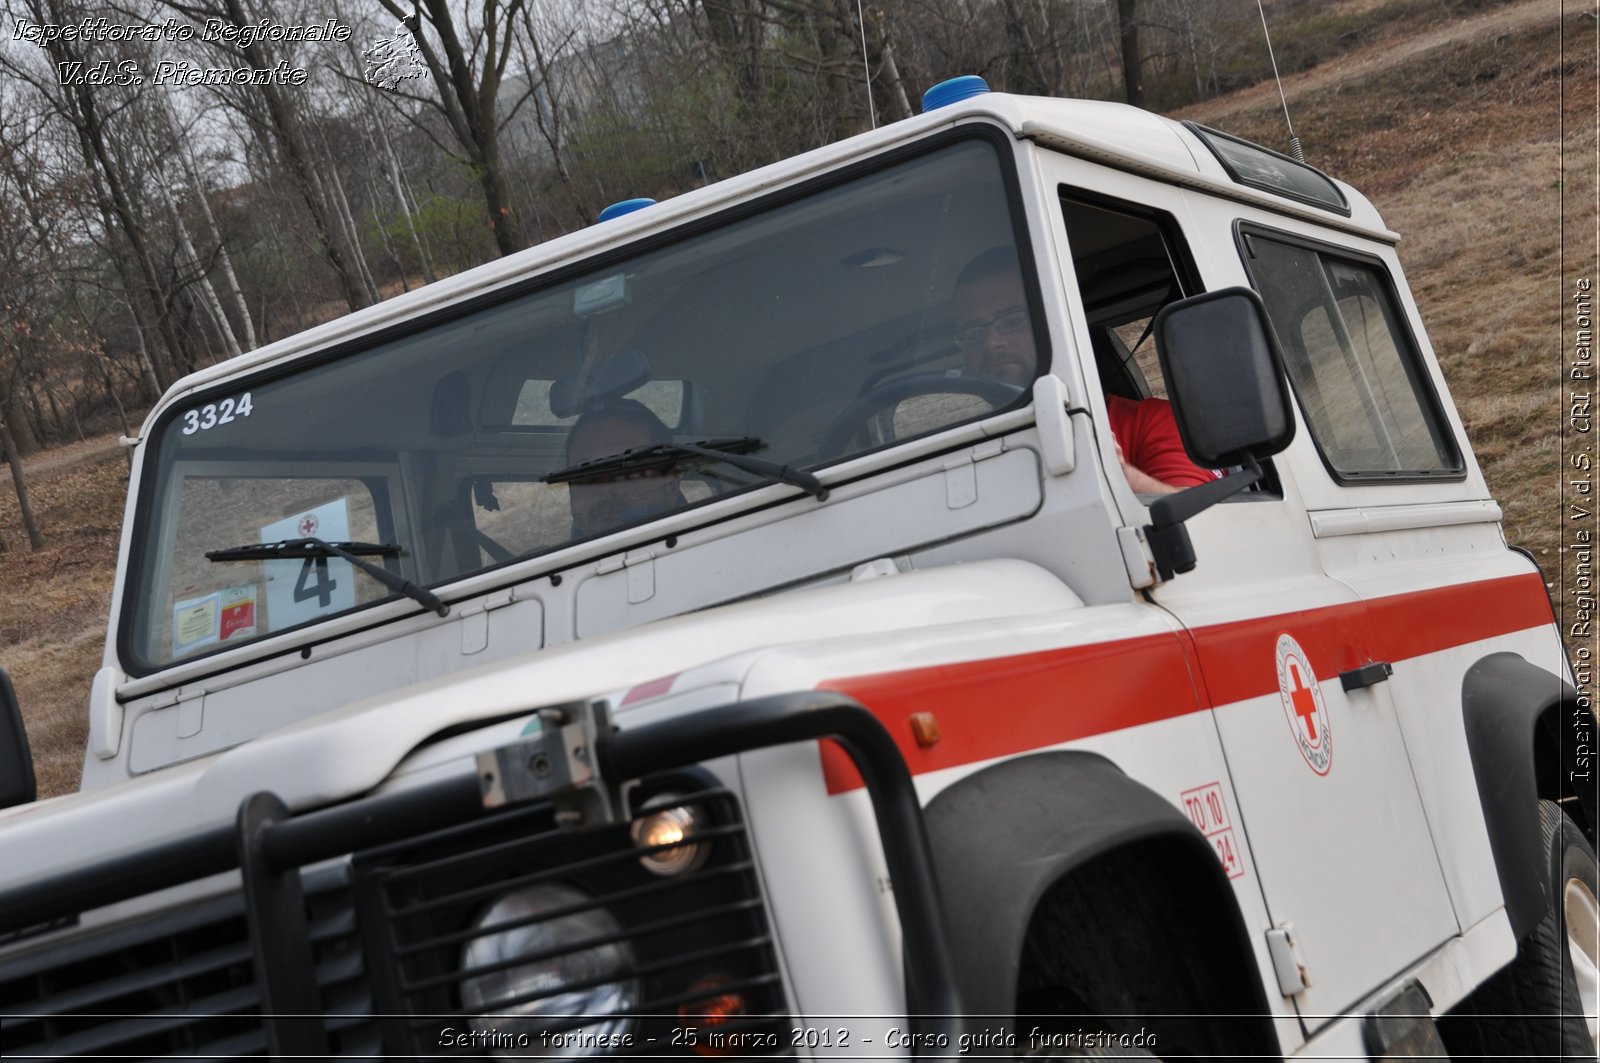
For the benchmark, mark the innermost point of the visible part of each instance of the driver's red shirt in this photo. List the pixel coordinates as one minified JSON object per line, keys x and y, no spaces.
{"x":1148,"y":435}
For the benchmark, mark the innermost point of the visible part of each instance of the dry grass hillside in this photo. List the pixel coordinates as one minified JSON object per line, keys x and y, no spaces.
{"x":1450,"y":119}
{"x":1456,"y":132}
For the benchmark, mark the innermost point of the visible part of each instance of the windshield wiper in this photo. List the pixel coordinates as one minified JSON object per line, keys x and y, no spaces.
{"x":309,"y":549}
{"x":659,"y":455}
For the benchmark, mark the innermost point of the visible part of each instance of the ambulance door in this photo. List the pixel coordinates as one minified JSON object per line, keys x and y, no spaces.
{"x":1400,"y":514}
{"x":1333,"y":833}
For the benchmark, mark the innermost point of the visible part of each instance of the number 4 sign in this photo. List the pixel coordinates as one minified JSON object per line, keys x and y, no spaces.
{"x":298,"y":591}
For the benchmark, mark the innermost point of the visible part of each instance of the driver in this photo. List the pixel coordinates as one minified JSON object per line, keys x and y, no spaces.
{"x":607,"y":502}
{"x":996,"y":341}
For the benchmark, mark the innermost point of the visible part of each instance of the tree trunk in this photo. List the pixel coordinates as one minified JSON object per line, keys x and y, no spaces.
{"x":115,"y":203}
{"x":223,"y":260}
{"x":347,"y":222}
{"x":1132,"y":77}
{"x":891,"y":73}
{"x":392,"y":168}
{"x":100,"y":361}
{"x":295,"y":152}
{"x":8,"y":451}
{"x":22,"y":439}
{"x":151,"y":379}
{"x":507,"y":231}
{"x":208,"y":294}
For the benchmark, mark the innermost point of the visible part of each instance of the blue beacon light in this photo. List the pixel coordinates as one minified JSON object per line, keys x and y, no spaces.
{"x":627,"y":206}
{"x":953,"y":91}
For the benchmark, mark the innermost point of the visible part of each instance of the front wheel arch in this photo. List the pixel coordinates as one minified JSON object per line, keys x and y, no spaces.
{"x":1025,"y":848}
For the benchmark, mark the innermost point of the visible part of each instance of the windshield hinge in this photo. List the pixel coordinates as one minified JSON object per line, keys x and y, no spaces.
{"x":961,"y":474}
{"x":641,"y":566}
{"x":475,"y":620}
{"x":1136,"y":557}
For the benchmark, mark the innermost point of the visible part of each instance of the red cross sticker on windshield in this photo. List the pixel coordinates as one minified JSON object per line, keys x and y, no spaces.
{"x":1303,"y":706}
{"x":308,"y":525}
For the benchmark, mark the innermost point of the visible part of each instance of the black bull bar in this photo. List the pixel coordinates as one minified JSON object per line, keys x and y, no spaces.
{"x":269,"y":845}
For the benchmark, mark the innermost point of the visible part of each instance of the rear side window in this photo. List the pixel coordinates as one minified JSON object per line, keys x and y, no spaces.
{"x":1371,"y":410}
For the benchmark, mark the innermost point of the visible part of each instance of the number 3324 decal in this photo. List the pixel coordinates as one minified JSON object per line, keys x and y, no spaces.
{"x":214,"y":413}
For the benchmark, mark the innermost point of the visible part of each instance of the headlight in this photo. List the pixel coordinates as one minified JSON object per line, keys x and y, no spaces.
{"x":600,"y":969}
{"x":660,"y":826}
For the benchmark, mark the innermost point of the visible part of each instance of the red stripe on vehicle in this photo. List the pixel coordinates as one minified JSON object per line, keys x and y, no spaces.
{"x":1237,"y":660}
{"x":1002,"y":706}
{"x":1422,"y":622}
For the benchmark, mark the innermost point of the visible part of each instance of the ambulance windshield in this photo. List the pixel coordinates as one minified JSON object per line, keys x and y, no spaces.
{"x":818,"y":328}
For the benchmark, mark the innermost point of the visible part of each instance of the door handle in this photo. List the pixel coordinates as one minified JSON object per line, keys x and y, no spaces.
{"x":1365,"y":676}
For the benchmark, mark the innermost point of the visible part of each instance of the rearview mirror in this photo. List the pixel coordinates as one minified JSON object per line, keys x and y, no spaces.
{"x":1224,"y":375}
{"x":623,"y":372}
{"x":17,"y":786}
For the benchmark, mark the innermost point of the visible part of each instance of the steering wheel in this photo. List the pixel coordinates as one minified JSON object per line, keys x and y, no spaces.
{"x":856,"y":417}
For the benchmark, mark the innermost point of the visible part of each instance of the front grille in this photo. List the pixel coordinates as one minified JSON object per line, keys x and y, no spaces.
{"x":181,"y":982}
{"x":388,"y":930}
{"x":691,"y":943}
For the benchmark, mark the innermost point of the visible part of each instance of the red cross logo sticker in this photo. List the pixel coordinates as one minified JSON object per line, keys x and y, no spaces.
{"x":1303,"y":706}
{"x":308,"y":525}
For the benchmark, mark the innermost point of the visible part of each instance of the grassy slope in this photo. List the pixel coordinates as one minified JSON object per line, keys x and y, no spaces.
{"x":1455,"y":134}
{"x":53,"y":604}
{"x":1457,"y":139}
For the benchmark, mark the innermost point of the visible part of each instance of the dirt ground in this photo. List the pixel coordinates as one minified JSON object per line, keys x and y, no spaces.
{"x":1458,"y":135}
{"x":54,"y":604}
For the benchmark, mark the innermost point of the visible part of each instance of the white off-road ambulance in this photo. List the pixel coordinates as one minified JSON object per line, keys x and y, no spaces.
{"x":763,"y":623}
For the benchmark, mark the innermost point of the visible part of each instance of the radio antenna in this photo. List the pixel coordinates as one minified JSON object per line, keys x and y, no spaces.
{"x":866,"y":68}
{"x":1294,"y":141}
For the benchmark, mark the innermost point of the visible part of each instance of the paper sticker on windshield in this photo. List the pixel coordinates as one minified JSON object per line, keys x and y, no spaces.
{"x":226,"y":614}
{"x":194,"y":624}
{"x":237,"y":612}
{"x":298,"y":591}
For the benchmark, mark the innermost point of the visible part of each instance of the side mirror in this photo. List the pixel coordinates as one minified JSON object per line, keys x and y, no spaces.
{"x":1230,"y":397}
{"x":1224,"y":375}
{"x":17,"y":785}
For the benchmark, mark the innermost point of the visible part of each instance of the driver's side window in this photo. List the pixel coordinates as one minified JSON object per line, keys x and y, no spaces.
{"x":1130,"y":262}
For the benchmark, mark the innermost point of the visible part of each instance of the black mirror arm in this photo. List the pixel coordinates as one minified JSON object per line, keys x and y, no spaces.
{"x":1169,"y":510}
{"x":1170,"y":547}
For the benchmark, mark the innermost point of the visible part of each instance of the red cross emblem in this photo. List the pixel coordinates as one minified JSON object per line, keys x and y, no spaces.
{"x":1303,"y":705}
{"x":308,"y":525}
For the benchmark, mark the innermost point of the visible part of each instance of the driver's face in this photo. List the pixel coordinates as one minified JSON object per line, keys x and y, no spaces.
{"x":1006,"y":356}
{"x":598,"y":505}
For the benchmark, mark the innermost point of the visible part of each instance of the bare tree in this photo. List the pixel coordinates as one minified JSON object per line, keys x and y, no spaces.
{"x":466,"y":53}
{"x":272,"y":116}
{"x":84,"y":107}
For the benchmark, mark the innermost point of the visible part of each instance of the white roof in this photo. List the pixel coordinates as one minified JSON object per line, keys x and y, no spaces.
{"x":1110,"y":133}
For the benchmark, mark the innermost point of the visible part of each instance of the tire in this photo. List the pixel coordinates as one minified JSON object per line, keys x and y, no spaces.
{"x":1533,"y":1008}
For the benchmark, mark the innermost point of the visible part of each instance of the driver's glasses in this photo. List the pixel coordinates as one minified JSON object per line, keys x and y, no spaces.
{"x":1006,"y":323}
